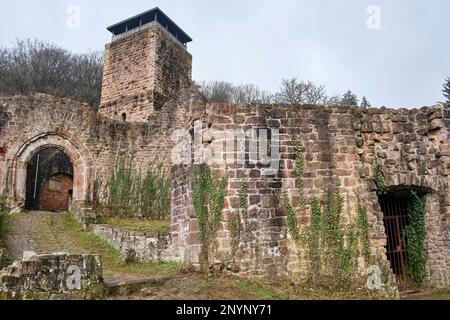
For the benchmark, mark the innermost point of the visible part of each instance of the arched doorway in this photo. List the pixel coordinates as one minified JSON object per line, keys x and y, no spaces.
{"x":49,"y":181}
{"x":396,"y":207}
{"x":20,"y":154}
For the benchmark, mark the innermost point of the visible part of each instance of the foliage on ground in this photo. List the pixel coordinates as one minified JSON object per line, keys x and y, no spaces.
{"x":208,"y":199}
{"x":62,"y":233}
{"x":5,"y":259}
{"x":141,"y":225}
{"x":144,"y":193}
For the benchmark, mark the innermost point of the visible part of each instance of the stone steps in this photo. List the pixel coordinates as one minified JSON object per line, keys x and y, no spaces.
{"x":128,"y":285}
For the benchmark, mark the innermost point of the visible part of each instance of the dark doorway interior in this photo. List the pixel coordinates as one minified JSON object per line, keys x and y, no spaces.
{"x":395,"y":209}
{"x":49,"y":181}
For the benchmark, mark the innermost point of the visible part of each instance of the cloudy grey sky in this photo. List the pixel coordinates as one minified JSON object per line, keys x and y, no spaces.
{"x":402,"y":64}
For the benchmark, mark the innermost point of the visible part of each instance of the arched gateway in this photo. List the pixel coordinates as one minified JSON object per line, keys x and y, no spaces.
{"x":49,"y":183}
{"x":69,"y":168}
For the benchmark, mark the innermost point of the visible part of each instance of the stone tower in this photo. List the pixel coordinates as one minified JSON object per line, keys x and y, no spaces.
{"x":146,"y":64}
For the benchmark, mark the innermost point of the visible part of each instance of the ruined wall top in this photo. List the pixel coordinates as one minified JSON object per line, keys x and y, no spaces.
{"x":142,"y":72}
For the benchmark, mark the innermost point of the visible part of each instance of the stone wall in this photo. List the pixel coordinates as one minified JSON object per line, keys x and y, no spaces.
{"x":411,"y":148}
{"x":185,"y":235}
{"x":53,"y":277}
{"x":342,"y":147}
{"x":142,"y":72}
{"x":56,"y":200}
{"x":84,"y":213}
{"x":93,"y":143}
{"x":143,"y":246}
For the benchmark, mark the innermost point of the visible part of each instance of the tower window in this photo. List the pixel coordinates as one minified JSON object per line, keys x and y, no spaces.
{"x":124,"y":117}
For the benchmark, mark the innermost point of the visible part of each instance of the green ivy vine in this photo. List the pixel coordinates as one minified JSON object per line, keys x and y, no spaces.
{"x":291,"y":214}
{"x":291,"y":218}
{"x":235,"y":232}
{"x":362,"y":228}
{"x":208,"y":200}
{"x":243,"y":203}
{"x":4,"y":195}
{"x":380,"y":180}
{"x":331,"y":248}
{"x":414,"y":238}
{"x":239,"y":220}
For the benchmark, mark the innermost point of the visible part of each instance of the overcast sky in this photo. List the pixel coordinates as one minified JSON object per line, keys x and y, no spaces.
{"x":399,"y":60}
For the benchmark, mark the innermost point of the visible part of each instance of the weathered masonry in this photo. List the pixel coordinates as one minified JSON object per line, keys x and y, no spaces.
{"x":146,"y":64}
{"x":373,"y":158}
{"x":345,"y":148}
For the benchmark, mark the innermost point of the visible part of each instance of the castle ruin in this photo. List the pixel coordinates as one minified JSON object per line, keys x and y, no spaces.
{"x":147,"y":95}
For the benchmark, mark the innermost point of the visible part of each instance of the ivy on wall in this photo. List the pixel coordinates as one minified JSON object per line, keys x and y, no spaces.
{"x":380,"y":180}
{"x":362,"y":227}
{"x":291,"y":218}
{"x":235,"y":232}
{"x":4,"y":256}
{"x":208,"y":199}
{"x":332,"y":248}
{"x":414,"y":238}
{"x":145,"y":194}
{"x":414,"y":233}
{"x":243,"y":203}
{"x":4,"y":195}
{"x":239,"y":221}
{"x":291,"y":214}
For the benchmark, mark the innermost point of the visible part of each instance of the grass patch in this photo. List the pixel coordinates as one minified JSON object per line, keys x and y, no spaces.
{"x":63,"y":232}
{"x":259,"y":290}
{"x":5,"y":259}
{"x":112,"y":258}
{"x":140,"y":225}
{"x":438,"y":294}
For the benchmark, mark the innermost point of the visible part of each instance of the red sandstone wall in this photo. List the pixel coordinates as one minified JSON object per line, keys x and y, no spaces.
{"x":141,"y":73}
{"x":92,"y":142}
{"x":341,"y":146}
{"x":56,"y":201}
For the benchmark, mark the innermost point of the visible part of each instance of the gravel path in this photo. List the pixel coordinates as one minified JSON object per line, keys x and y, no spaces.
{"x":45,"y":232}
{"x":18,"y":239}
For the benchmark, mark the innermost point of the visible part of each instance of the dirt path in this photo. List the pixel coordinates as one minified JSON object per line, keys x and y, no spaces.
{"x":17,"y":240}
{"x":44,"y":232}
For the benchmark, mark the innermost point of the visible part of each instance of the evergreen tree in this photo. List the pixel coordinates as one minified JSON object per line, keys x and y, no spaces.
{"x":349,"y":98}
{"x":446,"y":90}
{"x":365,"y":103}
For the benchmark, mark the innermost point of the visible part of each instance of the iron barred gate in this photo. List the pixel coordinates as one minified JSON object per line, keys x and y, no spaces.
{"x":395,"y":209}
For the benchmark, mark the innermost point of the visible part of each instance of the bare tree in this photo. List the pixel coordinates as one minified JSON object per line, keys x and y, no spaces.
{"x":218,"y":91}
{"x":293,"y":91}
{"x":226,"y":92}
{"x":36,"y":66}
{"x":249,"y":93}
{"x":88,"y":77}
{"x":331,"y":99}
{"x":246,"y":93}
